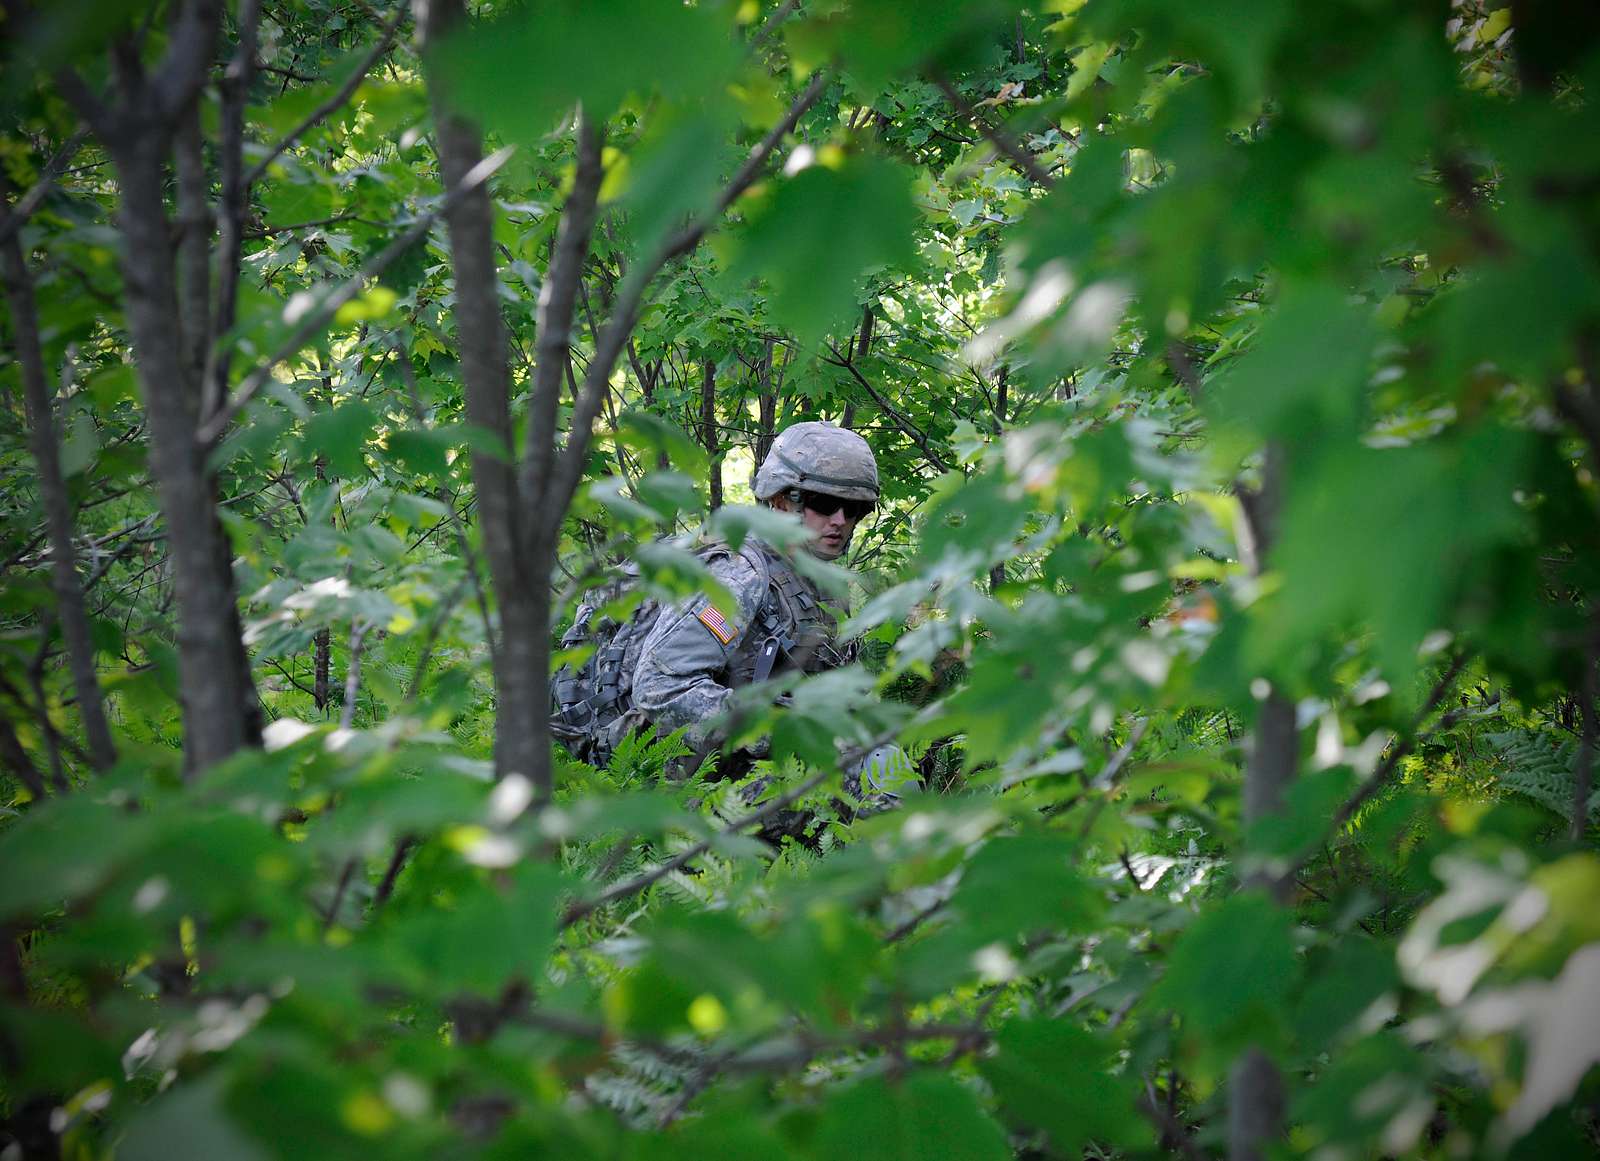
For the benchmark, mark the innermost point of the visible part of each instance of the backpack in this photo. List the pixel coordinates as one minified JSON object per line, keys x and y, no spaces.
{"x":589,"y":706}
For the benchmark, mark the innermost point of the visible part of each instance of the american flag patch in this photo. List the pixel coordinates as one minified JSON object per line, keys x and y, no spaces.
{"x":713,"y":620}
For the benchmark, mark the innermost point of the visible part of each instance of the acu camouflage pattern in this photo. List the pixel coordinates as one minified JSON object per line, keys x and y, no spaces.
{"x":818,"y":457}
{"x":667,"y":668}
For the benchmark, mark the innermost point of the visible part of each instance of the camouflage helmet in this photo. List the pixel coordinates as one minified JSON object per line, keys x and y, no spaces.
{"x":818,"y":457}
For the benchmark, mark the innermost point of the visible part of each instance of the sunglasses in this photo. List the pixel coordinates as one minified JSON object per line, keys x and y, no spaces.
{"x":825,"y":505}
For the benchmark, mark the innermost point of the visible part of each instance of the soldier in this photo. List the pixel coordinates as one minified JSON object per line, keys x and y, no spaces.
{"x":694,"y":658}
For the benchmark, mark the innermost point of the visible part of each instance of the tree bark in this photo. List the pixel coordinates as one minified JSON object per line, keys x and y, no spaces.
{"x":766,"y":407}
{"x":1255,"y":1085}
{"x":45,"y":445}
{"x":708,"y":430}
{"x":1255,"y":1106}
{"x":521,"y":713}
{"x":221,"y":711}
{"x":18,"y":762}
{"x":234,"y":204}
{"x":863,"y":348}
{"x":194,"y":243}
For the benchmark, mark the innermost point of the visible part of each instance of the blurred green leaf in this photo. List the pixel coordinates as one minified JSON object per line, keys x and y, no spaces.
{"x":820,"y":232}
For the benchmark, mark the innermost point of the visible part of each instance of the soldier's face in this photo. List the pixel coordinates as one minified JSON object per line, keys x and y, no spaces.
{"x":830,"y":535}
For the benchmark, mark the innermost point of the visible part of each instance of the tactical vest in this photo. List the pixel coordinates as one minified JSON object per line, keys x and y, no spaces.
{"x":591,"y":709}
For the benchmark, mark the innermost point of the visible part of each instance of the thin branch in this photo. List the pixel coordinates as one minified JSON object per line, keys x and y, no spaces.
{"x":333,"y":103}
{"x":1583,"y":772}
{"x":346,"y":873}
{"x":771,"y":23}
{"x":13,"y":219}
{"x":270,"y":231}
{"x":1172,"y":1130}
{"x":633,"y":886}
{"x":234,"y":205}
{"x":44,"y":443}
{"x":631,"y":299}
{"x":391,"y":874}
{"x":317,"y":318}
{"x":18,"y":762}
{"x":1107,"y":778}
{"x":1391,"y":762}
{"x":352,"y":673}
{"x":911,"y":430}
{"x":999,"y":138}
{"x":557,"y":300}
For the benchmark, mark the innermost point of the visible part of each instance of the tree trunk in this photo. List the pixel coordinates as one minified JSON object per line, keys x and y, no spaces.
{"x":194,"y":243}
{"x":708,"y":430}
{"x":221,"y":711}
{"x":522,"y":736}
{"x":766,"y":407}
{"x":46,"y":448}
{"x":1255,"y":1106}
{"x":863,"y":346}
{"x":1255,"y":1086}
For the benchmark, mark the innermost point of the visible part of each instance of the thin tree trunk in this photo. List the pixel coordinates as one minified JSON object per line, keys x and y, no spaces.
{"x":194,"y":243}
{"x":1255,"y":1106}
{"x":321,"y":663}
{"x":997,"y":574}
{"x":46,"y":448}
{"x":1583,"y":771}
{"x":863,"y":347}
{"x":18,"y":762}
{"x":708,"y":429}
{"x":221,"y":711}
{"x":766,"y":407}
{"x":1255,"y":1085}
{"x":234,"y":203}
{"x":521,"y":723}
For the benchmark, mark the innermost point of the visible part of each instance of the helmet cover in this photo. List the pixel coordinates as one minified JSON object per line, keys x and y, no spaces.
{"x":818,"y":457}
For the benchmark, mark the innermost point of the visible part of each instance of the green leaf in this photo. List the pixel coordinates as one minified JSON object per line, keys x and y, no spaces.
{"x":519,"y":72}
{"x":341,"y":435}
{"x":289,"y":203}
{"x":189,"y":1121}
{"x":1305,"y":370}
{"x":820,"y":232}
{"x":1229,"y":974}
{"x":1021,"y":884}
{"x":926,"y":1115}
{"x":490,"y":935}
{"x":424,"y":451}
{"x":66,"y":848}
{"x":1344,"y":984}
{"x":1049,"y":1075}
{"x":81,"y":445}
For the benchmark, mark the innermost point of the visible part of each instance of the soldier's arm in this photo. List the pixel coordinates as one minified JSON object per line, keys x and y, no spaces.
{"x":681,"y":675}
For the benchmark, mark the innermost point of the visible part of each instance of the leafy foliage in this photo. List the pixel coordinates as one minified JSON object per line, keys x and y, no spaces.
{"x":1233,"y":594}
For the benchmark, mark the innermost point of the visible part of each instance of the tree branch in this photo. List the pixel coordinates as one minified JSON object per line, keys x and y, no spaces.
{"x":557,"y":300}
{"x":1583,"y":772}
{"x":631,"y":297}
{"x":1391,"y":762}
{"x":1003,"y":142}
{"x":333,"y":103}
{"x":638,"y":883}
{"x":182,"y":73}
{"x":235,"y":204}
{"x":17,"y":216}
{"x":911,"y":430}
{"x":45,"y":444}
{"x":352,"y":673}
{"x":213,"y":428}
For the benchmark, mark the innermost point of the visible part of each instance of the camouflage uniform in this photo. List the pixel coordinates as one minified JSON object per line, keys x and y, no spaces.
{"x":694,"y":658}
